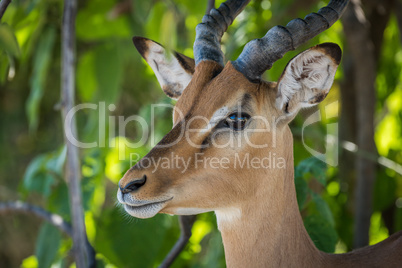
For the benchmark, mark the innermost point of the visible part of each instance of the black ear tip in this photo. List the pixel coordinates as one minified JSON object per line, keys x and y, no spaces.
{"x":140,"y":44}
{"x":139,"y":40}
{"x":332,"y":50}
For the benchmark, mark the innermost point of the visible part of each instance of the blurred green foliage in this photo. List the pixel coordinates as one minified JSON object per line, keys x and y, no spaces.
{"x":111,"y":73}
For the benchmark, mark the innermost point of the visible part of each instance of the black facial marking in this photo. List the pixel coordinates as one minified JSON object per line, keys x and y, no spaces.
{"x":172,"y":136}
{"x":205,"y":143}
{"x":215,"y":73}
{"x":246,"y":100}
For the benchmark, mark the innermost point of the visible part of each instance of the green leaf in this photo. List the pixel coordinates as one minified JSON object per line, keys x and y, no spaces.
{"x":36,"y":178}
{"x":58,"y":200}
{"x":323,"y":208}
{"x":8,"y":41}
{"x":321,"y":232}
{"x":152,"y":27}
{"x":313,"y":166}
{"x":168,"y":34}
{"x":142,"y":9}
{"x":384,"y":191}
{"x":88,"y":187}
{"x":29,"y":262}
{"x":47,"y":245}
{"x":42,"y":172}
{"x":41,"y":62}
{"x":86,"y":81}
{"x":3,"y":68}
{"x":301,"y":191}
{"x":115,"y":230}
{"x":97,"y":20}
{"x":108,"y":70}
{"x":56,"y":161}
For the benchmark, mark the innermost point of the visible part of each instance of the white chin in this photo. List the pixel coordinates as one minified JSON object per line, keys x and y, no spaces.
{"x":145,"y":211}
{"x":190,"y":211}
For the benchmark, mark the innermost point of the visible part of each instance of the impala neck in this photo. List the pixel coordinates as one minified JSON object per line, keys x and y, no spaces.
{"x":267,"y":230}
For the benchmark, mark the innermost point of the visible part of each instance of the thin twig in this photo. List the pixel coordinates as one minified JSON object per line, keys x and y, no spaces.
{"x":53,"y":219}
{"x":211,"y":5}
{"x":73,"y":167}
{"x":186,"y":223}
{"x":3,"y":6}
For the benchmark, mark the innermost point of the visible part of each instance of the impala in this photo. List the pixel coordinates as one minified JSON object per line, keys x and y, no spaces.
{"x":227,"y":112}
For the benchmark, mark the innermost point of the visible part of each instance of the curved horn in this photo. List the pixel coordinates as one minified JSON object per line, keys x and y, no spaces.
{"x":259,"y":54}
{"x":210,"y":31}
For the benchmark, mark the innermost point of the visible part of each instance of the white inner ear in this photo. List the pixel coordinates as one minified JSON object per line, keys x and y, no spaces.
{"x":170,"y":74}
{"x":308,"y":74}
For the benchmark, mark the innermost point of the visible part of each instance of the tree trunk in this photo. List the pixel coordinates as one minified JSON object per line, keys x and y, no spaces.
{"x":364,"y":34}
{"x":357,"y":33}
{"x":73,"y":165}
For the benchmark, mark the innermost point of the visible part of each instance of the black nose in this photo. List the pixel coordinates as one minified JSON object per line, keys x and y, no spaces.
{"x":133,"y":185}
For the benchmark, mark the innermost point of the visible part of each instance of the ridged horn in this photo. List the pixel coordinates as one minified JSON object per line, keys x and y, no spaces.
{"x":259,"y":54}
{"x":210,"y":31}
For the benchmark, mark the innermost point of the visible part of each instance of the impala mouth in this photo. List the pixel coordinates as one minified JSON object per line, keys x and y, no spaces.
{"x":146,"y":210}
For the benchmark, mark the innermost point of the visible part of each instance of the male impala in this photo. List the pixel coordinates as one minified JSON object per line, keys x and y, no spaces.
{"x":228,"y":112}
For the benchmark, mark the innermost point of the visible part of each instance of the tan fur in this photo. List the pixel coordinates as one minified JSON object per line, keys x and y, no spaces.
{"x":256,"y":209}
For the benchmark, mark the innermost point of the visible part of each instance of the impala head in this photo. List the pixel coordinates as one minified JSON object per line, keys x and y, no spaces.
{"x":230,"y":129}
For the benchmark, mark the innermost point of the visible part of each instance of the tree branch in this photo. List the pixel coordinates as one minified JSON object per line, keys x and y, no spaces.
{"x":3,"y":6}
{"x":73,"y":162}
{"x":186,"y":223}
{"x":54,"y":219}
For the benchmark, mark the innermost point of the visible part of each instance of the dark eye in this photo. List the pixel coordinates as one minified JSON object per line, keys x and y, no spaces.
{"x":237,"y":121}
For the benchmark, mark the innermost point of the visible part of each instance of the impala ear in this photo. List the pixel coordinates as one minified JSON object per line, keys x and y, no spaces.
{"x":308,"y":78}
{"x":173,"y":70}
